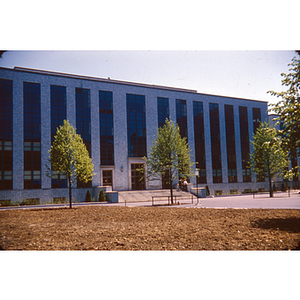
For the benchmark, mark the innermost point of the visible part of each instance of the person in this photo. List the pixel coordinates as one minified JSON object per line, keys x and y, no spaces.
{"x":179,"y":185}
{"x":185,"y":185}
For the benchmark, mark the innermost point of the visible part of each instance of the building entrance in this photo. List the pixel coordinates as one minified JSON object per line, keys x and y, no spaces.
{"x":107,"y":177}
{"x":136,"y":182}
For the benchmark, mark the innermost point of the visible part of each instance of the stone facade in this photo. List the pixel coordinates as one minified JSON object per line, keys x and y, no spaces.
{"x":121,"y":170}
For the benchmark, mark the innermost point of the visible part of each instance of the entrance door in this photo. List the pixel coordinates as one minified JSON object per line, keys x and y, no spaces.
{"x":107,"y":177}
{"x":136,"y":182}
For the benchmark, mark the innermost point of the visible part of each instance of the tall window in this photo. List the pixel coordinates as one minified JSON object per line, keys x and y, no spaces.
{"x":83,"y":122}
{"x":243,"y":113}
{"x":256,"y":118}
{"x":136,"y":125}
{"x":163,"y":110}
{"x":106,"y":128}
{"x":58,"y":115}
{"x":199,"y":141}
{"x":230,"y":142}
{"x":6,"y":132}
{"x":32,"y":135}
{"x":215,"y":142}
{"x":256,"y":121}
{"x":181,"y":117}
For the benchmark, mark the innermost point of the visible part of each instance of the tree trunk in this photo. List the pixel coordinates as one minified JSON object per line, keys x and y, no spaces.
{"x":270,"y":178}
{"x":171,"y":192}
{"x":70,"y":191}
{"x":270,"y":186}
{"x":171,"y":185}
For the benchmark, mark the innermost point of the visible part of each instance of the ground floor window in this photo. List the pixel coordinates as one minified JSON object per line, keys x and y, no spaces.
{"x":137,"y":183}
{"x":107,"y":178}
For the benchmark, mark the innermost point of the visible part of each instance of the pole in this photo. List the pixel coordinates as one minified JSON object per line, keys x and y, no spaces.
{"x":197,"y":176}
{"x":197,"y":188}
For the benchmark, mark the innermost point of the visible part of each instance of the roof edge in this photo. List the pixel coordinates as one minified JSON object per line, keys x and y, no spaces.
{"x":107,"y":80}
{"x":123,"y":82}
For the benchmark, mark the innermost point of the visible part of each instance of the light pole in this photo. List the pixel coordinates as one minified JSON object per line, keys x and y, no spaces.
{"x":197,"y":175}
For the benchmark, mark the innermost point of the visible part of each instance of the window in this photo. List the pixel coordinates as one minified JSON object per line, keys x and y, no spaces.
{"x":58,"y":107}
{"x":6,"y":131}
{"x":181,"y":117}
{"x":106,"y":128}
{"x":36,"y":146}
{"x":243,"y":114}
{"x":136,"y":176}
{"x":256,"y":118}
{"x":107,"y":177}
{"x":136,"y":125}
{"x":163,"y":110}
{"x":199,"y":140}
{"x":58,"y":115}
{"x":7,"y":175}
{"x":83,"y":116}
{"x":83,"y":122}
{"x":215,"y":142}
{"x":230,"y":143}
{"x":32,"y":135}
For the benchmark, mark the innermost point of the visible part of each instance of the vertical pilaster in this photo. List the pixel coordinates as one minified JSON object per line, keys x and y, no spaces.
{"x":95,"y":135}
{"x":120,"y":138}
{"x":18,"y":135}
{"x":45,"y":133}
{"x":209,"y":176}
{"x":223,"y":143}
{"x":190,"y":129}
{"x":238,"y":148}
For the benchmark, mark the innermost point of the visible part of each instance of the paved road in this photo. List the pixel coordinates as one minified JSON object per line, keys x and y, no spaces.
{"x":279,"y":201}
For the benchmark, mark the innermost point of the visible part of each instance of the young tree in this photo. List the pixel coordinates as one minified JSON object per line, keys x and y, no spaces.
{"x":168,"y":157}
{"x":268,"y":158}
{"x":288,"y":110}
{"x":69,"y":156}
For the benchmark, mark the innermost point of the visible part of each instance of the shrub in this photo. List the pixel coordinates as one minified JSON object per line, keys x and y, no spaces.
{"x":207,"y":190}
{"x":59,"y":200}
{"x":102,"y":196}
{"x":274,"y":187}
{"x":30,"y":201}
{"x":5,"y":203}
{"x":283,"y":188}
{"x":88,"y":196}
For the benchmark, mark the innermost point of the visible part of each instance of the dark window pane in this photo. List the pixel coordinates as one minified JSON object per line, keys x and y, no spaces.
{"x":136,"y":125}
{"x":244,"y":133}
{"x":181,"y":117}
{"x":230,"y":141}
{"x":215,"y":142}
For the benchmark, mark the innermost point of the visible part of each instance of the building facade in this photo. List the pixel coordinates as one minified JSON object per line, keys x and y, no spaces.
{"x":118,"y":122}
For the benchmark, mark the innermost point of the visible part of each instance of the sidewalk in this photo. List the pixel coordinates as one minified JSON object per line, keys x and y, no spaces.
{"x":279,"y":201}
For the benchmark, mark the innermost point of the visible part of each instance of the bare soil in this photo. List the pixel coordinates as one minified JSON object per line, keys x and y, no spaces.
{"x":149,"y":228}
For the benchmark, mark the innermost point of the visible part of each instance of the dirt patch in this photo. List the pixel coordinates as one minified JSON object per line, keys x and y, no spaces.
{"x":149,"y":228}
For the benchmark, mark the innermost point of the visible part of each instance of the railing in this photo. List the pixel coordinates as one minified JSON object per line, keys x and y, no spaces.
{"x":175,"y":198}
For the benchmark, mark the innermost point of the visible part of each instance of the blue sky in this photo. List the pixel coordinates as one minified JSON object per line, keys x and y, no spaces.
{"x":245,"y":74}
{"x":231,"y":48}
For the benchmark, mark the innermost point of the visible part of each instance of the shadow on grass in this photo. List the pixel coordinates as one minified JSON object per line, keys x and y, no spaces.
{"x":291,"y":224}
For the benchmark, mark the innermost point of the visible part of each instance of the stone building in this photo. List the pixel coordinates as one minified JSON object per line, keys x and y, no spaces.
{"x":118,"y":121}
